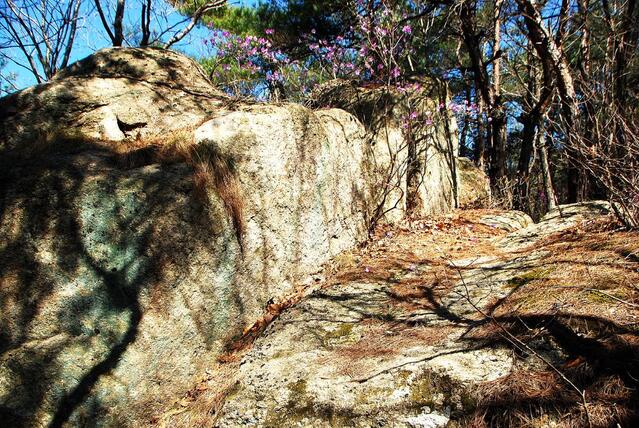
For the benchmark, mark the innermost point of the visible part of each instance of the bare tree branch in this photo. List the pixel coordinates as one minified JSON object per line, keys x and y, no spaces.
{"x":197,"y":15}
{"x":42,"y":31}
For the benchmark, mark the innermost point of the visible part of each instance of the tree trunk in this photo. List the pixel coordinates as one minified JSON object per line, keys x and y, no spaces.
{"x":118,"y":33}
{"x":498,"y":136}
{"x":549,"y":50}
{"x":522,"y":198}
{"x":538,"y":98}
{"x":498,"y":114}
{"x":492,"y":100}
{"x":480,"y":142}
{"x":413,"y":177}
{"x":146,"y":23}
{"x":551,"y":197}
{"x":627,"y":42}
{"x":463,"y":147}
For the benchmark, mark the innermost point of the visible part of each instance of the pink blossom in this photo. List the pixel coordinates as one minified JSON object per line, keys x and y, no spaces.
{"x":407,"y":29}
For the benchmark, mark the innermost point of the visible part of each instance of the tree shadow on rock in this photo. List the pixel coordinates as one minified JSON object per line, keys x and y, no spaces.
{"x":84,"y":245}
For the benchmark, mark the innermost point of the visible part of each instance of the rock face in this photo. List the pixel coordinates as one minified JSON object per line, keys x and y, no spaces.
{"x":422,"y":167}
{"x":123,"y":276}
{"x":306,"y":191}
{"x":345,"y":358}
{"x":117,"y":286}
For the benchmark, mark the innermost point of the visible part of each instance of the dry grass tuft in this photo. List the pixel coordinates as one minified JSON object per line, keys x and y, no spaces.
{"x":541,"y":398}
{"x":216,"y":170}
{"x":211,"y":169}
{"x":200,"y":406}
{"x":203,"y":180}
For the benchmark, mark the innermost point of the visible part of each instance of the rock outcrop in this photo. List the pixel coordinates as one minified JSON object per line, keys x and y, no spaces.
{"x":131,"y":254}
{"x":473,"y":185}
{"x":111,"y":95}
{"x":420,"y":168}
{"x":395,"y":344}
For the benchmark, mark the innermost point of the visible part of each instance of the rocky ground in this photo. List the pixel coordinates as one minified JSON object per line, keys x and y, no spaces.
{"x":478,"y":318}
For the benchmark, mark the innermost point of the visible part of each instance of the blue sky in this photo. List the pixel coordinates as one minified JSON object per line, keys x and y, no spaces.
{"x":92,"y":36}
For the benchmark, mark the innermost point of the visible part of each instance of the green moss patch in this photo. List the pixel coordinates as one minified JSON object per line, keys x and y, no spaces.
{"x":341,"y":335}
{"x":440,"y":391}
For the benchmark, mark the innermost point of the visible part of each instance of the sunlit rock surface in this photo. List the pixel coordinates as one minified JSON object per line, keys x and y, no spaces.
{"x":425,"y":161}
{"x":395,"y":348}
{"x":120,"y":280}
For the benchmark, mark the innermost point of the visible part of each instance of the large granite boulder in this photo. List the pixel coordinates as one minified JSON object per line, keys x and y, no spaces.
{"x":111,"y":95}
{"x":130,"y":259}
{"x":120,"y":285}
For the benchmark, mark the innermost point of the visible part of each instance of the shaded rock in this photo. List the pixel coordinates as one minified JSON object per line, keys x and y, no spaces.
{"x":421,"y":167}
{"x":509,"y":220}
{"x":474,"y":185}
{"x":117,"y":287}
